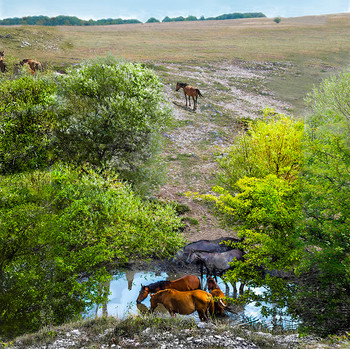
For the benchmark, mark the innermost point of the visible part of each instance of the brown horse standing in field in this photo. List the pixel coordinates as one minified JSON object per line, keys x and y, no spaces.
{"x":2,"y":63}
{"x":218,"y":295}
{"x":32,"y":64}
{"x":189,"y":91}
{"x":185,"y":303}
{"x":186,"y":283}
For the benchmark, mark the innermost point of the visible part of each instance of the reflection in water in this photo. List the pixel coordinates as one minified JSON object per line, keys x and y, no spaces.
{"x":125,"y":287}
{"x":105,"y":288}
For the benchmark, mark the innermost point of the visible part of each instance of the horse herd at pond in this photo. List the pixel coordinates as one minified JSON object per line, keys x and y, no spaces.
{"x":32,"y":64}
{"x":185,"y":296}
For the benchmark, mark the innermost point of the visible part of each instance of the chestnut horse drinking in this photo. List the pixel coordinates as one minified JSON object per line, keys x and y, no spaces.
{"x":189,"y":91}
{"x":185,"y":303}
{"x":218,"y":295}
{"x":186,"y":283}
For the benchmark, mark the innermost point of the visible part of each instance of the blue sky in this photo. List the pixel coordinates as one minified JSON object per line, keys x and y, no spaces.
{"x":144,"y":9}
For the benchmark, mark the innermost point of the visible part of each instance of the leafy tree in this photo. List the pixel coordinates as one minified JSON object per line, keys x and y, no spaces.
{"x":323,"y":300}
{"x":191,"y":18}
{"x":112,"y":114}
{"x":271,"y":146}
{"x":179,"y":19}
{"x":167,"y":19}
{"x":153,"y":20}
{"x":260,"y":191}
{"x":27,"y":122}
{"x":57,"y":229}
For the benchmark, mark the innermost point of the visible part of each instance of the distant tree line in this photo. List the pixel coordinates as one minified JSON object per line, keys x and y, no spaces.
{"x":63,"y":20}
{"x":75,"y":21}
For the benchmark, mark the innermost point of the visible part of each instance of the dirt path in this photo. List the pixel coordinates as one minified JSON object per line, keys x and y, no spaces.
{"x":232,"y":94}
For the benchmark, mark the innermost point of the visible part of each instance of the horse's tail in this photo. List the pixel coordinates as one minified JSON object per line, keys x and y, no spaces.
{"x":199,"y":92}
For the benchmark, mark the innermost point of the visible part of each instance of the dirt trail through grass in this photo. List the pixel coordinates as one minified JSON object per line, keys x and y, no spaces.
{"x":232,"y":94}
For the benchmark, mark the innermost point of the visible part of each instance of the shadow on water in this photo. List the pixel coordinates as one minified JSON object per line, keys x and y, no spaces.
{"x":125,"y":286}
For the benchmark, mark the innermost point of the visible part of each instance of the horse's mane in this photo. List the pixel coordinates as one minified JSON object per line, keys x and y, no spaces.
{"x":159,"y":284}
{"x":182,"y":84}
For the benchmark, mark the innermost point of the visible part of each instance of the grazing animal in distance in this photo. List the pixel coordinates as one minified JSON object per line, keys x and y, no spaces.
{"x":218,"y":295}
{"x":185,"y":302}
{"x":186,"y":283}
{"x":189,"y":91}
{"x":2,"y":63}
{"x":32,"y":64}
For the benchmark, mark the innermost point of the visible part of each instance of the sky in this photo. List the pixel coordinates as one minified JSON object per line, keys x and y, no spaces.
{"x":145,"y":9}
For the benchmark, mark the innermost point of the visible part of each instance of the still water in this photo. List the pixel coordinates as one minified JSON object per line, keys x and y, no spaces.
{"x":125,"y":287}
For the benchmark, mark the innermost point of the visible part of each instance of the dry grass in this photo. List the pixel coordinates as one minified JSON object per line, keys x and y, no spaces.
{"x":312,"y":40}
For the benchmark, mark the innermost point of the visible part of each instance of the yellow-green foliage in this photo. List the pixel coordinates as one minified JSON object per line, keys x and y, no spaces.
{"x":271,"y":146}
{"x":260,"y":190}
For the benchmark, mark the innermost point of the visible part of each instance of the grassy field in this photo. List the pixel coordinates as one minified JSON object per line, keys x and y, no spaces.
{"x":314,"y":40}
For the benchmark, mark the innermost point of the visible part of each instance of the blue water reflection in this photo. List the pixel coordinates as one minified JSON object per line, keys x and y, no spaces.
{"x":125,"y":287}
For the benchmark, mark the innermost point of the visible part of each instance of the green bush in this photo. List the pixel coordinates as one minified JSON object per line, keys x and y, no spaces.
{"x":112,"y":114}
{"x":27,"y":123}
{"x":59,"y":226}
{"x":107,"y":112}
{"x":323,"y":300}
{"x":260,"y":196}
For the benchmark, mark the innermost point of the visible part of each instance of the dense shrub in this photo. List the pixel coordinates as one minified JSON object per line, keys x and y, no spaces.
{"x":27,"y":122}
{"x":59,"y":226}
{"x":260,"y":195}
{"x":326,"y":225}
{"x":112,"y":114}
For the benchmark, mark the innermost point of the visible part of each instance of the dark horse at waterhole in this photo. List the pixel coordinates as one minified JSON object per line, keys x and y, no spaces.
{"x":217,"y":245}
{"x":186,"y":283}
{"x":189,"y":91}
{"x":215,"y":263}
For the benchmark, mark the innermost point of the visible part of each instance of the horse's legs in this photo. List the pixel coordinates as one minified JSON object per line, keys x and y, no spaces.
{"x":215,"y":277}
{"x":202,"y":315}
{"x":185,"y":97}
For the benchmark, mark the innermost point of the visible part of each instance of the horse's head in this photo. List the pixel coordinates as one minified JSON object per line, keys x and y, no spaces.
{"x":192,"y":257}
{"x":180,"y":85}
{"x":143,"y":294}
{"x":211,"y":283}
